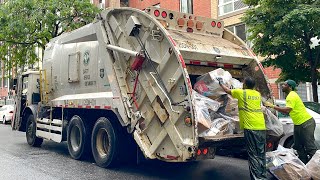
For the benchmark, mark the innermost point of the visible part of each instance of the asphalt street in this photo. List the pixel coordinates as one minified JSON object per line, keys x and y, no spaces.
{"x":52,"y":161}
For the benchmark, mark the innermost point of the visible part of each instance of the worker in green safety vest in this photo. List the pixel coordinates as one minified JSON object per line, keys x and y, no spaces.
{"x":304,"y":124}
{"x":253,"y":123}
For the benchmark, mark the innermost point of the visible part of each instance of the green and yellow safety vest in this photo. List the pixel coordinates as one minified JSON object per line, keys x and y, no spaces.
{"x":299,"y":112}
{"x":250,"y":113}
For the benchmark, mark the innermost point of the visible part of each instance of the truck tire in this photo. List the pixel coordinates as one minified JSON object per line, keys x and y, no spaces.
{"x":105,"y":143}
{"x":32,"y":139}
{"x":78,"y":138}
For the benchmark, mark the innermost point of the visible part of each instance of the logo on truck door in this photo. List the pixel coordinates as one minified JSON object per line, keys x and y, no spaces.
{"x":102,"y":73}
{"x":86,"y":58}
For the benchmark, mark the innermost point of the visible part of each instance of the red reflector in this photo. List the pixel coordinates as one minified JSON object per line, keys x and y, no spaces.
{"x":164,"y":14}
{"x":213,"y":23}
{"x":195,"y":62}
{"x":269,"y":145}
{"x":189,"y":30}
{"x":199,"y":152}
{"x":205,"y":151}
{"x":228,"y":66}
{"x":212,"y":64}
{"x":157,"y":13}
{"x":219,"y":24}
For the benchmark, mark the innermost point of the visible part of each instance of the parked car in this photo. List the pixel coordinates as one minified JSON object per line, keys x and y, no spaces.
{"x":6,"y":113}
{"x":287,"y":139}
{"x":314,"y":106}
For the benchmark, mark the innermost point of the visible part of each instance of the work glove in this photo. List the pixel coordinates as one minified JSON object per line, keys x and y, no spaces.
{"x":220,"y":80}
{"x":268,"y":104}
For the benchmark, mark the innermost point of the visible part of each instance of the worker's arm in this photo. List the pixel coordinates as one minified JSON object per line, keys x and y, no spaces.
{"x":285,"y":110}
{"x":225,"y":88}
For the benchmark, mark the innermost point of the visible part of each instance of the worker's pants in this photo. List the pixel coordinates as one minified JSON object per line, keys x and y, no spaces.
{"x":304,"y":141}
{"x":256,"y":148}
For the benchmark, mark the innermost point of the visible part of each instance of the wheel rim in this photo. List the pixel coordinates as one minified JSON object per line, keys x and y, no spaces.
{"x":102,"y":144}
{"x":30,"y":132}
{"x":75,"y":138}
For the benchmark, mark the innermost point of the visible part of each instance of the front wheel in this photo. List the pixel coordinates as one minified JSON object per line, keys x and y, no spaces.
{"x":32,"y":139}
{"x":4,"y":120}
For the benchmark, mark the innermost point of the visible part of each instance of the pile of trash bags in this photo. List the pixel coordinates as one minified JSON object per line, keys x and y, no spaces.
{"x":217,"y":112}
{"x":285,"y":165}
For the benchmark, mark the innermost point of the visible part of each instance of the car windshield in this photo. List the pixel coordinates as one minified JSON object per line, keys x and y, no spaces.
{"x":313,"y":106}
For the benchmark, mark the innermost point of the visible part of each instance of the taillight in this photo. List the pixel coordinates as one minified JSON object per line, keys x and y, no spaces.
{"x":213,"y":24}
{"x":164,"y":14}
{"x":156,"y":13}
{"x":269,"y":145}
{"x":205,"y":151}
{"x":199,"y":152}
{"x":180,"y":22}
{"x":219,"y":24}
{"x":189,"y":30}
{"x":199,"y":25}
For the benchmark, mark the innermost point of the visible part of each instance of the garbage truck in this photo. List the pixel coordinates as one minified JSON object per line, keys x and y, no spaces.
{"x":124,"y":83}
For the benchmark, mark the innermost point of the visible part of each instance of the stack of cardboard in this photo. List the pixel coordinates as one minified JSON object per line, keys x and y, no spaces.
{"x":285,"y":165}
{"x":313,"y":166}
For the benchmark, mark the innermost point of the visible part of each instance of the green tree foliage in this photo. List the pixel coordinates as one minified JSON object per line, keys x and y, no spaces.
{"x":281,"y":31}
{"x":29,"y":24}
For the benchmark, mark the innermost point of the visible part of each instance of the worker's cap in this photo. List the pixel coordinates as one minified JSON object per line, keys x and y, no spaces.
{"x":291,"y":83}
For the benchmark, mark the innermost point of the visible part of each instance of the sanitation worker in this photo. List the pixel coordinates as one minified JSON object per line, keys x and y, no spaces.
{"x":253,"y":123}
{"x":304,"y":124}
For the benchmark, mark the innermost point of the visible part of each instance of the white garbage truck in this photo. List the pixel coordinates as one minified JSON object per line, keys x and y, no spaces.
{"x":125,"y":82}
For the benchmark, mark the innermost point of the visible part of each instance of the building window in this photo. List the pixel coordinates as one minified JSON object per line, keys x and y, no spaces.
{"x":186,"y":6}
{"x":239,"y":30}
{"x":229,"y":6}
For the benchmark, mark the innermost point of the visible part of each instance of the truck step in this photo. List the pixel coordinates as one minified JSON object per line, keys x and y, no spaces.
{"x":49,"y":135}
{"x":57,"y":122}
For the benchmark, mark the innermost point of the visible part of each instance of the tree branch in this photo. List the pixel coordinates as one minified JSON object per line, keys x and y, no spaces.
{"x":15,"y":42}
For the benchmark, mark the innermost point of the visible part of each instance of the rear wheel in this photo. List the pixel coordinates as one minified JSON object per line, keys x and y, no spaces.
{"x":105,"y":143}
{"x":32,"y":139}
{"x":78,"y":138}
{"x":4,"y":120}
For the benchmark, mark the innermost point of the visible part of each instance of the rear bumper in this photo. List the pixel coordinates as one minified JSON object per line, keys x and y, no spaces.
{"x":234,"y":140}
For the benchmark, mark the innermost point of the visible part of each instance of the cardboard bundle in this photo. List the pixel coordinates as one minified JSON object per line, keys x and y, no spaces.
{"x":285,"y":165}
{"x":313,"y":166}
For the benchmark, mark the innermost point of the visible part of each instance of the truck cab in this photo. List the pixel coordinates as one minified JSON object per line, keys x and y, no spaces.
{"x":27,"y":97}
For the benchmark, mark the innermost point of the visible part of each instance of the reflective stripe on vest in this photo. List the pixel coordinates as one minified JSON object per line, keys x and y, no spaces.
{"x":245,"y":108}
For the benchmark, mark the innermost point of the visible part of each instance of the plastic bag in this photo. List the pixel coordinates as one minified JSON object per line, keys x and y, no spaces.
{"x":285,"y":165}
{"x":274,"y":126}
{"x":202,"y":107}
{"x":313,"y":166}
{"x":208,"y":84}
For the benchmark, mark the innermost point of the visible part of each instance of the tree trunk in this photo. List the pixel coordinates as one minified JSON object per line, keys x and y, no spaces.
{"x":314,"y":84}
